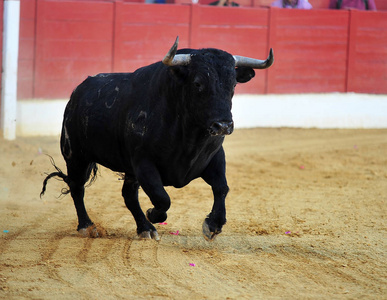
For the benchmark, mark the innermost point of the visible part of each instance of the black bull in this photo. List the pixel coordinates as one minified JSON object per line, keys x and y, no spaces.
{"x":162,"y":125}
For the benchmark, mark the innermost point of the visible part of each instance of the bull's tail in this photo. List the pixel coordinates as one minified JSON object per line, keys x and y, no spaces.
{"x":60,"y":174}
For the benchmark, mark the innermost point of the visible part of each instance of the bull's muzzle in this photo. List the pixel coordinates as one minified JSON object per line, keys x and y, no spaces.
{"x":221,"y":128}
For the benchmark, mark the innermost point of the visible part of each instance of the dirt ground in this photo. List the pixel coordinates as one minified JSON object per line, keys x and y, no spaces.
{"x":306,"y":220}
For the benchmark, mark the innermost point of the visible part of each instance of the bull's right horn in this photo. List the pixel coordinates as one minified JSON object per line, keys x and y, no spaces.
{"x":173,"y":59}
{"x":241,"y":61}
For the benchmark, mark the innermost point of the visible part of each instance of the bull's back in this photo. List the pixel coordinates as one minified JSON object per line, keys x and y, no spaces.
{"x":94,"y":120}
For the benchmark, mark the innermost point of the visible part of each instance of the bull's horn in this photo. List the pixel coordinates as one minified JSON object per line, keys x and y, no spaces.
{"x":173,"y":59}
{"x":241,"y":61}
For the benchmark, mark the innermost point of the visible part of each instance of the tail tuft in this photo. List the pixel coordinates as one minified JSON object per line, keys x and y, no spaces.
{"x":59,"y":173}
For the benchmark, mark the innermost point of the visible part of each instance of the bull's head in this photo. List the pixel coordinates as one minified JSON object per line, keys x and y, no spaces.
{"x":209,"y":77}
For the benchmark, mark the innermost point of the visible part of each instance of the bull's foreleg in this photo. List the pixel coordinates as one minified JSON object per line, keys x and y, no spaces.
{"x":215,"y":176}
{"x":130,"y":193}
{"x":150,"y":181}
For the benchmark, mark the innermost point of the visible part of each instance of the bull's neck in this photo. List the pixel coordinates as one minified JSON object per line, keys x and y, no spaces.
{"x":183,"y":120}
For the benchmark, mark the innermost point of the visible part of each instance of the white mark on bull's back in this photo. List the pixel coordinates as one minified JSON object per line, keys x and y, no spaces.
{"x":117,"y":89}
{"x":102,"y":75}
{"x":142,"y":120}
{"x":142,"y":115}
{"x":139,"y":125}
{"x":110,"y":105}
{"x":67,"y":145}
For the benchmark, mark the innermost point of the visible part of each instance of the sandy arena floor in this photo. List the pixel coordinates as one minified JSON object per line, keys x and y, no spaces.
{"x":306,"y":220}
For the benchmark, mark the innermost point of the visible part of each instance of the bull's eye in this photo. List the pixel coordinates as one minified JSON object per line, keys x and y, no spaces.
{"x":198,"y":85}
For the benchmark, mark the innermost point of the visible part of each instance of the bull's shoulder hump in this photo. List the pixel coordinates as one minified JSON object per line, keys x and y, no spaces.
{"x":109,"y":76}
{"x":104,"y":79}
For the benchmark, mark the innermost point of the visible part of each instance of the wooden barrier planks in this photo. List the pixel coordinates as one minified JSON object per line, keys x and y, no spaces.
{"x":26,"y":49}
{"x":367,"y":57}
{"x":73,"y":40}
{"x":239,"y":31}
{"x":61,"y":42}
{"x":144,"y":33}
{"x":310,"y":51}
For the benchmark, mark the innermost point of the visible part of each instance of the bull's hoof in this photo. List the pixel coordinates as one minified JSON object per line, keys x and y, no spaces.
{"x":156,"y":217}
{"x":92,"y":231}
{"x":148,"y":235}
{"x":209,"y":234}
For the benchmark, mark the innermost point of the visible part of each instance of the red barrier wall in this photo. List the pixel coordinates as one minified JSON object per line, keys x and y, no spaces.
{"x":27,"y":32}
{"x":240,"y":31}
{"x":144,"y":33}
{"x":367,"y":56}
{"x":310,"y":51}
{"x":62,"y":42}
{"x":73,"y":40}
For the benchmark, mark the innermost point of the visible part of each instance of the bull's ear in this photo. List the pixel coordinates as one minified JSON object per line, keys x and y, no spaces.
{"x":179,"y":73}
{"x":244,"y":74}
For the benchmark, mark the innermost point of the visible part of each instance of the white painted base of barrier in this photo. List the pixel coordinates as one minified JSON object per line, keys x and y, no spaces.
{"x":40,"y":117}
{"x":334,"y":110}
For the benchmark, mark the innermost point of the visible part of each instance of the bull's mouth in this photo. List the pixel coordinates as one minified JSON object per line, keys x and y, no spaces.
{"x":221,"y":128}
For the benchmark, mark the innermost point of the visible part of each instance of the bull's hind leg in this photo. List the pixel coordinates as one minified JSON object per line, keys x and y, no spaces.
{"x":130,"y":193}
{"x":78,"y":174}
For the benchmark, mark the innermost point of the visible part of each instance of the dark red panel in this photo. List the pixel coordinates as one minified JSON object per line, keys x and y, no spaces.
{"x":310,"y":51}
{"x":74,"y":39}
{"x":381,"y":4}
{"x":367,"y":60}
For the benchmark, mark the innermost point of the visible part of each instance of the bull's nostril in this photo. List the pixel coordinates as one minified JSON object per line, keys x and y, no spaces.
{"x":230,"y":128}
{"x":217,"y":126}
{"x":221,"y":128}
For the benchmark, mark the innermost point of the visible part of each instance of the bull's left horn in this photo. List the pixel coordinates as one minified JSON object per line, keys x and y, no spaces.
{"x":241,"y":61}
{"x":173,"y":59}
